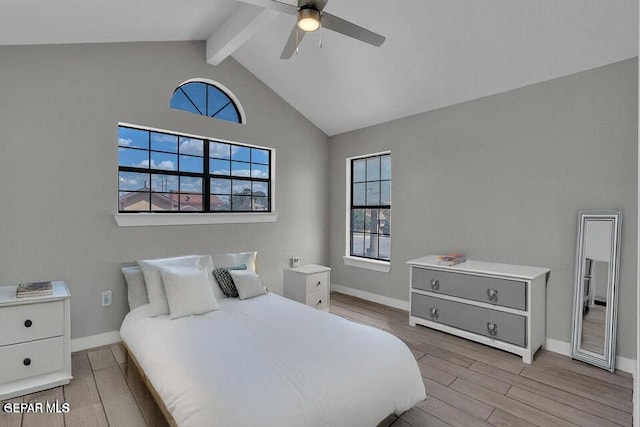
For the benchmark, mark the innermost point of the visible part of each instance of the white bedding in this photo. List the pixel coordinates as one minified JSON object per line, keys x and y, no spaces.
{"x":269,"y":361}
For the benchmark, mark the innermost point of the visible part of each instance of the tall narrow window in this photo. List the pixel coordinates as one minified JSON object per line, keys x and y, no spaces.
{"x":370,"y":231}
{"x":207,"y":98}
{"x":162,"y":171}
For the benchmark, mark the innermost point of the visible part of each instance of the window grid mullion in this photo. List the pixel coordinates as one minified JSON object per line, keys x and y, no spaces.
{"x":366,"y":207}
{"x":206,"y":174}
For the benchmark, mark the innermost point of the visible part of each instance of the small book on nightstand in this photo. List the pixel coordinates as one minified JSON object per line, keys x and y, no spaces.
{"x":33,"y":289}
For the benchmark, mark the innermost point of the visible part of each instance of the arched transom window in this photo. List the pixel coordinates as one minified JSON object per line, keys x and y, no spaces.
{"x":207,"y":98}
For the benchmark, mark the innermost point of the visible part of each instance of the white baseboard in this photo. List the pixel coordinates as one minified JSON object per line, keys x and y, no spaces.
{"x":564,"y":348}
{"x":92,"y":341}
{"x":369,"y":296}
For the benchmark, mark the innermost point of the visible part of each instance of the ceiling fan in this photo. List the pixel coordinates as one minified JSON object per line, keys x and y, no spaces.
{"x":311,"y":17}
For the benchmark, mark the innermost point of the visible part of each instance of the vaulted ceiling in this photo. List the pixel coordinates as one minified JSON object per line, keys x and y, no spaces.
{"x":437,"y":53}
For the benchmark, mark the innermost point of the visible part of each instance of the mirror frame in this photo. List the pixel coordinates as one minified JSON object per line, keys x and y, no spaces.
{"x":607,"y":360}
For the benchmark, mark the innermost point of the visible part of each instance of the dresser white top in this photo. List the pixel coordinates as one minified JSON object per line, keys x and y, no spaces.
{"x":491,"y":268}
{"x":8,"y":294}
{"x":310,"y":269}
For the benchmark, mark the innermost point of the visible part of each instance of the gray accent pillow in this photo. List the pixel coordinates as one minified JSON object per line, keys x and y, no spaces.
{"x":136,"y":287}
{"x":225,"y":281}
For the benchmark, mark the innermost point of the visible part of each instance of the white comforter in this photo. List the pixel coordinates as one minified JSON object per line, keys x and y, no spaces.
{"x":269,"y":361}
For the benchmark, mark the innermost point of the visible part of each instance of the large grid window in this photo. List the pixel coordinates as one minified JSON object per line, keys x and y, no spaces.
{"x":163,"y":171}
{"x":370,"y":232}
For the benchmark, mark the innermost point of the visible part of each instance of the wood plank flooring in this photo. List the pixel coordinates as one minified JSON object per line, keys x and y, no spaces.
{"x":467,"y":384}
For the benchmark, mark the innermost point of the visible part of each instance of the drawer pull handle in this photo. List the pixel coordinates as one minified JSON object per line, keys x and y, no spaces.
{"x":318,"y":303}
{"x":26,"y":362}
{"x":492,"y":328}
{"x":434,"y":313}
{"x":435,"y":284}
{"x":319,"y":283}
{"x":492,"y":294}
{"x":28,"y":323}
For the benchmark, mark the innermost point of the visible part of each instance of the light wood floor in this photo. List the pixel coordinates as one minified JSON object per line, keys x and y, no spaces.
{"x":467,"y":384}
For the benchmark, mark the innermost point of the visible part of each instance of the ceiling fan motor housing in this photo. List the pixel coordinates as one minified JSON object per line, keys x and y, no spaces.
{"x":308,"y":18}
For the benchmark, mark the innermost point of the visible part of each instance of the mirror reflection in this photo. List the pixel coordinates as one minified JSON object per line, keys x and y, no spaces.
{"x":596,"y":276}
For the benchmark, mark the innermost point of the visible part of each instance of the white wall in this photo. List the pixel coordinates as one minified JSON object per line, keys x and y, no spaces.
{"x":59,"y":109}
{"x":598,"y":240}
{"x":502,"y":178}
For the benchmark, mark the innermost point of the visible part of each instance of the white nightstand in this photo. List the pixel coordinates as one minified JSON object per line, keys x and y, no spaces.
{"x":309,"y":285}
{"x":35,"y":341}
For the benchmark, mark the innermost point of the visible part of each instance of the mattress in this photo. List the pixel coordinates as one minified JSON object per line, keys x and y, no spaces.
{"x":270,"y":361}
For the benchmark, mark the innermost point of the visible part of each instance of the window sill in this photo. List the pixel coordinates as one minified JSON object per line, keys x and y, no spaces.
{"x":153,"y":219}
{"x":367,"y":264}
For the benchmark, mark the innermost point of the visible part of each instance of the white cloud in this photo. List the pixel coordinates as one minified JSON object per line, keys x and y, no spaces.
{"x":242,"y":172}
{"x":221,"y":151}
{"x":125,"y":142}
{"x":166,"y":164}
{"x":163,"y":137}
{"x":191,"y":146}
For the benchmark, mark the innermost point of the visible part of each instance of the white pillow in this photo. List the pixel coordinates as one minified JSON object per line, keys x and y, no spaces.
{"x":153,"y":278}
{"x":248,"y":283}
{"x":188,"y":291}
{"x":136,"y":288}
{"x":236,"y":258}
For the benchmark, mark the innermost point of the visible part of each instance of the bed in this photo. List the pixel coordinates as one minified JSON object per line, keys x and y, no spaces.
{"x":269,"y":361}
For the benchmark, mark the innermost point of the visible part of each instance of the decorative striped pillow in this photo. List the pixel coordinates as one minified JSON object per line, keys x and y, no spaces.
{"x":225,"y":281}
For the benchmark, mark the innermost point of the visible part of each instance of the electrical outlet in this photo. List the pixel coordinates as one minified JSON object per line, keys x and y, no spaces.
{"x":295,"y":261}
{"x":107,"y":298}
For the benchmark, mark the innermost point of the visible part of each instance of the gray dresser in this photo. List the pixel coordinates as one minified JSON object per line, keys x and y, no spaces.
{"x":500,"y":305}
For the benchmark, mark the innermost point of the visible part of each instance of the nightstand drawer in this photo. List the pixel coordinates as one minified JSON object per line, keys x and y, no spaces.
{"x":318,"y":300}
{"x":317,"y":282}
{"x":27,"y":360}
{"x":29,"y":322}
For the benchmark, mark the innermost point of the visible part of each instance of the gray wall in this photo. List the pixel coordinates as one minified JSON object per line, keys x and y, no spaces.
{"x":59,"y":108}
{"x":501,"y":178}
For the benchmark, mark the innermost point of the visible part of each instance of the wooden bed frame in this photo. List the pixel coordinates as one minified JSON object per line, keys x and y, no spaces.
{"x":147,"y":383}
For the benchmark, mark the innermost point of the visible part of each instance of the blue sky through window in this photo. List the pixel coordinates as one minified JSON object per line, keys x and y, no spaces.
{"x":205,"y":99}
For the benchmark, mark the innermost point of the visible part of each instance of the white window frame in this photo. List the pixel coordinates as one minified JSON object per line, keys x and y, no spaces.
{"x":142,"y":219}
{"x":359,"y":262}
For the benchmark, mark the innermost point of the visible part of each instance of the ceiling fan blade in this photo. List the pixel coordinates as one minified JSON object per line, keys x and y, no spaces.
{"x":339,"y":25}
{"x":292,"y":43}
{"x":275,"y":5}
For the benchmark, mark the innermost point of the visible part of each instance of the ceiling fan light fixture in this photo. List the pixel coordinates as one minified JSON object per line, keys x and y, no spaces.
{"x":308,"y":19}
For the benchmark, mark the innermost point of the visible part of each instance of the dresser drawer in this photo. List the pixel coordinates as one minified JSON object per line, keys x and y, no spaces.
{"x":318,"y":300}
{"x":510,"y":328}
{"x":507,"y":293}
{"x":317,"y":282}
{"x":26,"y":360}
{"x":28,"y":322}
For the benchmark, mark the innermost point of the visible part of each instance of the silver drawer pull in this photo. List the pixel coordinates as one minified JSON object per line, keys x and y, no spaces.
{"x":434,"y":313}
{"x":435,"y":284}
{"x":492,"y":328}
{"x":492,"y":294}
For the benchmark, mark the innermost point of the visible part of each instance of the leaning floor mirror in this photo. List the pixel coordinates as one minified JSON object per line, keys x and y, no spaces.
{"x":595,"y":305}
